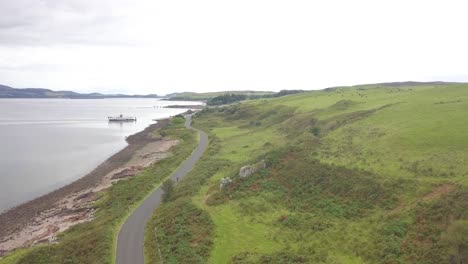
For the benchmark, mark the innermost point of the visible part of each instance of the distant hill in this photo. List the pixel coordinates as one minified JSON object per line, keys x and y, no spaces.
{"x":191,"y":96}
{"x":393,"y":85}
{"x":9,"y":92}
{"x":412,"y":83}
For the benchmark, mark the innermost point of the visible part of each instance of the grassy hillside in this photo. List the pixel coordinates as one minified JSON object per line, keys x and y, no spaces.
{"x":364,"y":174}
{"x":192,"y":96}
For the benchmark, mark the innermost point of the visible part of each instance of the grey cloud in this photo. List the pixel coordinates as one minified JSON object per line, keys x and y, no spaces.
{"x":50,"y":22}
{"x":37,"y":67}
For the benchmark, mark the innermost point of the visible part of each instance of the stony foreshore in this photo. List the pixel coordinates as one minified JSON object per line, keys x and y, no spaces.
{"x":198,"y":107}
{"x":41,"y":219}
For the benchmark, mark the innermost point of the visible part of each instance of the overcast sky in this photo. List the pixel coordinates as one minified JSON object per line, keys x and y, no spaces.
{"x":155,"y":46}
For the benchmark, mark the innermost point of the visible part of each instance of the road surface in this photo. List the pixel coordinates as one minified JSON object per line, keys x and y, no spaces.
{"x":130,"y":242}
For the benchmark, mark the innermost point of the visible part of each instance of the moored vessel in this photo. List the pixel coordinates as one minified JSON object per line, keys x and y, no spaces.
{"x":121,"y":118}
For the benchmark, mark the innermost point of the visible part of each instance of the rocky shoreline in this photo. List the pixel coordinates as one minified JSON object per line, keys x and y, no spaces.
{"x":41,"y":219}
{"x":195,"y":107}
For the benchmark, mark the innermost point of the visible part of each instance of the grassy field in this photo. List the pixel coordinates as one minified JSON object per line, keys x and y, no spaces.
{"x":94,"y":241}
{"x":364,"y":174}
{"x":191,"y":96}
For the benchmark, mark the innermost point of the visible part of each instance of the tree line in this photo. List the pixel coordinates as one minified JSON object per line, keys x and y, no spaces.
{"x":229,"y":98}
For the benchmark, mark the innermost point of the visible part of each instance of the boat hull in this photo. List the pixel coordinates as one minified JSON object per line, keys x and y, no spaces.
{"x":122,"y":119}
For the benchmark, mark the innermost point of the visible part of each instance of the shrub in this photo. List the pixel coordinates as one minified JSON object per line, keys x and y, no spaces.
{"x":168,"y":188}
{"x":316,"y":131}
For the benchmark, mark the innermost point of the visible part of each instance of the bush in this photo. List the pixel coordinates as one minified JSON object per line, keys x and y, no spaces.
{"x":179,"y":232}
{"x":168,"y":188}
{"x":316,"y":131}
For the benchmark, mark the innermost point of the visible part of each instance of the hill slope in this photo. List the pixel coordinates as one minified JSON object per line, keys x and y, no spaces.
{"x":192,"y":96}
{"x":364,"y":174}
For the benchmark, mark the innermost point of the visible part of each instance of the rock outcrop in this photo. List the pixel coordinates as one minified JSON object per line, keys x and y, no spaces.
{"x":248,"y":170}
{"x":127,"y":172}
{"x":224,"y":182}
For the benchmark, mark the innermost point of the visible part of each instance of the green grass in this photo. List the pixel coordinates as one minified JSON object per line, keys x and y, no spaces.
{"x":94,"y":241}
{"x":236,"y":234}
{"x":192,"y":96}
{"x":353,"y":177}
{"x":232,"y":228}
{"x":418,"y":137}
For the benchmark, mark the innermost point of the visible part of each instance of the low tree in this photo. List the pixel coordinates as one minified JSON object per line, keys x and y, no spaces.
{"x":316,"y":131}
{"x":226,"y":99}
{"x":168,"y":189}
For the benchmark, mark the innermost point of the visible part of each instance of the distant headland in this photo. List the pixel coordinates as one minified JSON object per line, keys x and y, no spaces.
{"x":10,"y":92}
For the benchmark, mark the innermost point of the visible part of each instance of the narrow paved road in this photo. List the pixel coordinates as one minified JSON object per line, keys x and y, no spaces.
{"x":130,"y":243}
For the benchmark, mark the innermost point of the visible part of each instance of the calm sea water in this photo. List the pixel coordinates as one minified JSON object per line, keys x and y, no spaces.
{"x":48,"y":143}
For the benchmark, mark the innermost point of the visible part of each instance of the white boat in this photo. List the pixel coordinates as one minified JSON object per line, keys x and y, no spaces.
{"x":122,"y":118}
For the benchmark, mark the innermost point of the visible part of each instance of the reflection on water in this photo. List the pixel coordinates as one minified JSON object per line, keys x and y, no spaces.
{"x":48,"y":143}
{"x":121,"y":125}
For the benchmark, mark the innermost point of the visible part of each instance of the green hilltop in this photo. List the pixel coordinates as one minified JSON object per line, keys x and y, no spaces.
{"x":363,"y":174}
